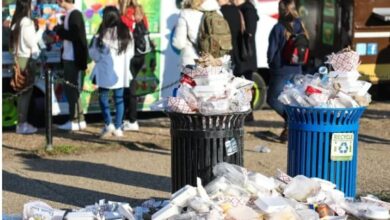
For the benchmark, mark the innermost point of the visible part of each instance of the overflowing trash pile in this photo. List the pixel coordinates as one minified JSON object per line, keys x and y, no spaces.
{"x":235,"y":194}
{"x":211,"y":88}
{"x":339,"y":88}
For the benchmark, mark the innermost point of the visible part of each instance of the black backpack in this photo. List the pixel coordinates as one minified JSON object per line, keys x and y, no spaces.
{"x":296,"y":49}
{"x":142,"y":40}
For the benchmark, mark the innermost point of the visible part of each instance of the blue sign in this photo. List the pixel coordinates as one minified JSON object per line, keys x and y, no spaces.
{"x":372,"y":49}
{"x":361,"y":49}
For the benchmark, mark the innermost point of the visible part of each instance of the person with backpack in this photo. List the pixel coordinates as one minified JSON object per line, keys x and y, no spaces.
{"x":190,"y":35}
{"x":287,"y":38}
{"x":112,"y":49}
{"x":135,"y":19}
{"x":24,"y":44}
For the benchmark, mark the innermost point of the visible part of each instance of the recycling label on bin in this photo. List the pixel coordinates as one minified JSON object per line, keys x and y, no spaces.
{"x":231,"y":147}
{"x":342,"y":146}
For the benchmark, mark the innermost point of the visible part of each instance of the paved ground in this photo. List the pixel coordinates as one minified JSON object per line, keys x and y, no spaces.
{"x":137,"y":167}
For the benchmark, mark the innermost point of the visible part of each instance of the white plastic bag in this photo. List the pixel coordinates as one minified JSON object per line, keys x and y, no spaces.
{"x":301,"y":187}
{"x":235,"y":174}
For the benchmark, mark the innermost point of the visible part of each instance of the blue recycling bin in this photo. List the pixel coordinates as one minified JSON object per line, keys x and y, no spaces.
{"x":323,"y":143}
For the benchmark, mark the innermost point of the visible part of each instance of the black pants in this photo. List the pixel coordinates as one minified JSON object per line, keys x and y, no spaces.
{"x":136,"y":65}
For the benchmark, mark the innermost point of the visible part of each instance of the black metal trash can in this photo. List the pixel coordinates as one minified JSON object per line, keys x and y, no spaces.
{"x":199,"y":142}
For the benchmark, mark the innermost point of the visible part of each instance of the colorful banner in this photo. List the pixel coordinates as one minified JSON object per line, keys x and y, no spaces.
{"x":93,"y":10}
{"x":148,"y":80}
{"x":153,"y":12}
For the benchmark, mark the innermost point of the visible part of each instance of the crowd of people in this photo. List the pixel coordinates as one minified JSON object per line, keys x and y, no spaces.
{"x":119,"y":57}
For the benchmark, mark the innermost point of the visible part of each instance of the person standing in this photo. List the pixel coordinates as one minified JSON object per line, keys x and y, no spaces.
{"x":24,"y":43}
{"x":187,"y":28}
{"x":248,"y":66}
{"x":232,"y":15}
{"x":112,"y":49}
{"x":74,"y":56}
{"x":135,"y":19}
{"x":249,"y":13}
{"x":280,"y":70}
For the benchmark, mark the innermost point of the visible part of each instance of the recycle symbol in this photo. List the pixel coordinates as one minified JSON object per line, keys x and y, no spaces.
{"x":343,"y":148}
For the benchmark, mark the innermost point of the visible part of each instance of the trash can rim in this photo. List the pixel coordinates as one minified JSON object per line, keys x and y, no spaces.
{"x":326,"y":109}
{"x":198,"y":114}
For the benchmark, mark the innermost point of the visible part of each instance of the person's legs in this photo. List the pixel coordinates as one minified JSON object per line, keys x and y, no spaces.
{"x":119,"y":107}
{"x":23,"y":105}
{"x":275,"y":88}
{"x":71,"y":75}
{"x":24,"y":98}
{"x":249,"y":118}
{"x":105,"y":105}
{"x":136,"y":65}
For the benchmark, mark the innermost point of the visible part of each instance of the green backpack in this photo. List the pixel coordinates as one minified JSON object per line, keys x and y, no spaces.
{"x":214,"y":35}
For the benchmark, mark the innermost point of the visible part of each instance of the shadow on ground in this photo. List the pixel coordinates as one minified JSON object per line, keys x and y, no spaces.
{"x":265,"y":124}
{"x":99,"y":172}
{"x":62,"y":194}
{"x":373,"y":140}
{"x":90,"y":137}
{"x":266,"y":136}
{"x":376,"y":114}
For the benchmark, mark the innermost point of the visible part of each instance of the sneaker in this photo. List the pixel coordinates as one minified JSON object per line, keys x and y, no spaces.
{"x":118,"y":133}
{"x":82,"y":125}
{"x":128,"y":126}
{"x":25,"y":128}
{"x":107,"y":130}
{"x":70,"y":126}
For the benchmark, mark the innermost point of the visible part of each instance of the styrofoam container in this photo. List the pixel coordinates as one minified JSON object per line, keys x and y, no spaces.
{"x":271,"y":204}
{"x":166,"y":212}
{"x":181,"y":197}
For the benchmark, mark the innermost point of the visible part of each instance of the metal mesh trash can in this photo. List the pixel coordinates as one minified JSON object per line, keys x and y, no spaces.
{"x":199,"y":142}
{"x":323,"y":142}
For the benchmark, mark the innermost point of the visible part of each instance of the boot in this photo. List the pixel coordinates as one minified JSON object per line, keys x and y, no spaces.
{"x":284,"y":135}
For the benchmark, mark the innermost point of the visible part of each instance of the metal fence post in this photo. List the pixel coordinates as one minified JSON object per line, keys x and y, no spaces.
{"x":48,"y":110}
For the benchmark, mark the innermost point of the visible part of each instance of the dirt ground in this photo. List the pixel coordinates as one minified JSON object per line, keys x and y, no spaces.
{"x":85,"y":168}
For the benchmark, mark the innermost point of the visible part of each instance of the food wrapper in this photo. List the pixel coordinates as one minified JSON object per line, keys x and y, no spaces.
{"x":282,"y":176}
{"x":345,"y":61}
{"x":176,"y":104}
{"x":214,"y":106}
{"x":187,"y":94}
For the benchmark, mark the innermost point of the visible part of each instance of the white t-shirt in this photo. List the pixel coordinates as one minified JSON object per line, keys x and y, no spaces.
{"x":68,"y":53}
{"x":28,"y":39}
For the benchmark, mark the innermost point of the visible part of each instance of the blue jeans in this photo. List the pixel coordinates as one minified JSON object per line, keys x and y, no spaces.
{"x":105,"y":106}
{"x":276,"y":85}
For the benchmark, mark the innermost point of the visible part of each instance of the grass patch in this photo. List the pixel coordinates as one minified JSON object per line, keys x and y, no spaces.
{"x":59,"y":150}
{"x":67,"y":149}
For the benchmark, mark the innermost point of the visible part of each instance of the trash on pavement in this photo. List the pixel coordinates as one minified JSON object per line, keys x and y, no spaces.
{"x":235,"y":194}
{"x":262,"y":149}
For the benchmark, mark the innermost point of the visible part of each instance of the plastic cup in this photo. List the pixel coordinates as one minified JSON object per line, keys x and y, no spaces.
{"x":41,"y":22}
{"x":53,"y":21}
